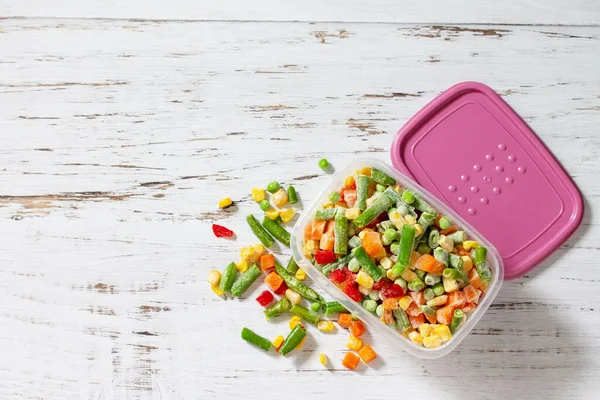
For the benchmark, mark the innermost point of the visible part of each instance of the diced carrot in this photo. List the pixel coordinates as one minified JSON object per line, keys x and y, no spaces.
{"x":418,"y":297}
{"x":414,"y":310}
{"x":308,"y":231}
{"x":267,"y":262}
{"x":444,"y":315}
{"x":431,"y":318}
{"x":391,"y":303}
{"x":327,"y":242}
{"x":330,"y":227}
{"x":357,"y":328}
{"x":318,"y":228}
{"x":416,"y":321}
{"x":483,"y":286}
{"x":469,"y":307}
{"x":449,"y":231}
{"x":429,"y":264}
{"x":344,"y":320}
{"x":470,"y":294}
{"x":372,"y":243}
{"x":388,"y":317}
{"x":456,"y":299}
{"x":461,"y":250}
{"x":367,"y":354}
{"x":474,"y":278}
{"x":351,"y":360}
{"x":274,"y":281}
{"x":350,"y":197}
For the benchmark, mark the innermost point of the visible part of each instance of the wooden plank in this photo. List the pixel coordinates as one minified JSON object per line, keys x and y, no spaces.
{"x":577,"y":12}
{"x":129,"y":133}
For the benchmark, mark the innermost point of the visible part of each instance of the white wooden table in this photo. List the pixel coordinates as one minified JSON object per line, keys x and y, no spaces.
{"x":123,"y":123}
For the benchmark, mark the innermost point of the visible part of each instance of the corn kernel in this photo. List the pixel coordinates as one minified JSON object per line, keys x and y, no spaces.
{"x":323,"y":359}
{"x":214,"y":277}
{"x":405,"y":302}
{"x":292,"y":296}
{"x":241,"y":265}
{"x":432,"y":341}
{"x":287,"y":214}
{"x":272,"y":213}
{"x":410,"y":219}
{"x":444,"y":332}
{"x":225,"y":202}
{"x":349,"y":181}
{"x":325,"y":326}
{"x":425,"y":330}
{"x":217,"y":290}
{"x":467,"y":263}
{"x":365,"y":171}
{"x":310,"y":247}
{"x":469,"y":245}
{"x":258,"y":194}
{"x":408,"y":275}
{"x":246,"y":253}
{"x":386,"y":263}
{"x":352,"y":213}
{"x":397,"y":219}
{"x":354,"y":343}
{"x":363,"y":279}
{"x":258,"y":250}
{"x":438,"y":301}
{"x":418,"y":229}
{"x":450,"y":285}
{"x":278,"y":341}
{"x":416,"y":337}
{"x":328,"y":204}
{"x":391,"y":275}
{"x":295,"y":320}
{"x":280,"y":197}
{"x":446,"y":243}
{"x":365,"y":291}
{"x":300,"y":274}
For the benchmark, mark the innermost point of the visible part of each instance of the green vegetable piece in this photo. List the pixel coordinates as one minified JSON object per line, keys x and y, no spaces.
{"x":292,"y":266}
{"x":385,"y":241}
{"x":277,"y":231}
{"x":293,"y":339}
{"x":456,"y":261}
{"x":354,"y":317}
{"x":370,"y":305}
{"x":445,"y":222}
{"x":264,"y":205}
{"x":292,"y":195}
{"x":422,"y":205}
{"x":481,"y":264}
{"x":370,"y":214}
{"x":379,"y":310}
{"x":457,"y":318}
{"x":434,"y":238}
{"x":428,"y":294}
{"x":228,"y":277}
{"x":334,"y":197}
{"x":424,"y":248}
{"x":420,"y":273}
{"x":382,"y":178}
{"x":282,"y":306}
{"x":297,"y":286}
{"x":379,"y":188}
{"x":425,"y":220}
{"x":431,"y":279}
{"x":441,"y":255}
{"x":259,"y":231}
{"x":402,"y":318}
{"x":395,"y":248}
{"x":305,"y":314}
{"x":273,"y":187}
{"x":407,"y":238}
{"x":256,"y":340}
{"x":362,"y":191}
{"x":316,"y":307}
{"x":339,"y":263}
{"x":480,"y":254}
{"x":340,"y":229}
{"x":354,"y":242}
{"x":391,"y":234}
{"x":458,"y":237}
{"x":451,"y":273}
{"x":367,"y":263}
{"x":374,"y":295}
{"x":333,"y":307}
{"x":408,"y":197}
{"x":417,"y":285}
{"x":401,"y":282}
{"x":243,"y":282}
{"x":438,"y":289}
{"x":354,"y":265}
{"x":428,"y":310}
{"x":326,"y":214}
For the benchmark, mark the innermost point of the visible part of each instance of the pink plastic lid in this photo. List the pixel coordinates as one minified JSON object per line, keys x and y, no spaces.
{"x":472,"y":151}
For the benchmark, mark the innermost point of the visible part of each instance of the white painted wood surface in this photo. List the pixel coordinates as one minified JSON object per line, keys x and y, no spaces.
{"x":119,"y":137}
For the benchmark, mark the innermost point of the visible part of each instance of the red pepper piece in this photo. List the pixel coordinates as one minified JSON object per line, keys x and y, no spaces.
{"x":265,"y":298}
{"x":383,"y":282}
{"x":337,"y":276}
{"x":392,"y":291}
{"x":325,"y":257}
{"x":281,"y":290}
{"x":221,"y":231}
{"x":351,"y":289}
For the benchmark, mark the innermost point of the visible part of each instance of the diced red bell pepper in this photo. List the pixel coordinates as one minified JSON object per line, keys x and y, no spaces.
{"x":282,"y":288}
{"x":380,"y":284}
{"x":351,"y":289}
{"x":337,"y":276}
{"x":265,"y":298}
{"x":392,"y":291}
{"x":324,"y":257}
{"x":221,"y":231}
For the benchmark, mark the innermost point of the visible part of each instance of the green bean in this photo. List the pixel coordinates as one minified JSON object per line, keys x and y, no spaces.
{"x":340,"y":262}
{"x":256,"y":340}
{"x":333,"y":307}
{"x":334,"y":197}
{"x":441,"y":255}
{"x":428,"y":294}
{"x":292,"y":266}
{"x":326,"y":214}
{"x":297,"y":286}
{"x":422,"y":205}
{"x":340,"y":229}
{"x":305,"y":314}
{"x":282,"y":306}
{"x":456,"y":320}
{"x":458,"y":236}
{"x":456,"y":261}
{"x":431,"y":279}
{"x":420,"y":273}
{"x":293,"y":339}
{"x":316,"y":307}
{"x":428,"y":310}
{"x":370,"y":214}
{"x":481,"y":264}
{"x":382,"y":178}
{"x":407,"y":237}
{"x":264,"y":205}
{"x":243,"y":282}
{"x":228,"y":277}
{"x":392,"y":194}
{"x":292,"y":195}
{"x":273,"y":187}
{"x":402,"y":318}
{"x":367,"y":263}
{"x":480,"y":254}
{"x":434,"y":238}
{"x":362,"y":191}
{"x":259,"y":231}
{"x":451,"y":273}
{"x":370,"y":305}
{"x":425,"y":220}
{"x":424,"y":248}
{"x":354,"y":242}
{"x":445,"y":222}
{"x":417,"y":285}
{"x":438,"y":289}
{"x":277,"y":231}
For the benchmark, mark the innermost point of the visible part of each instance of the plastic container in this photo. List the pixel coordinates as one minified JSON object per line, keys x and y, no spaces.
{"x":372,"y":320}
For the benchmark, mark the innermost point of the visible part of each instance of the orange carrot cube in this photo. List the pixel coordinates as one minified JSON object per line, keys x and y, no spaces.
{"x":367,"y":354}
{"x":274,"y":281}
{"x":357,"y":328}
{"x":345,"y":320}
{"x":351,"y":360}
{"x":444,"y":315}
{"x":267,"y":262}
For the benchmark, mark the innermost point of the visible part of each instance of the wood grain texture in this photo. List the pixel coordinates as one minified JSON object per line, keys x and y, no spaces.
{"x":119,"y":137}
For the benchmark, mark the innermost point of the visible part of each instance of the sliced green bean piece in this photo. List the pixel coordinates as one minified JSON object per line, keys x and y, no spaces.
{"x":243,"y":282}
{"x":456,"y":261}
{"x":305,"y":314}
{"x":354,"y":242}
{"x":407,"y":238}
{"x":434,"y":238}
{"x":431,"y":279}
{"x":382,"y":178}
{"x":402,"y":318}
{"x":297,"y":286}
{"x":292,"y":195}
{"x":326,"y":214}
{"x":256,"y":340}
{"x":282,"y":306}
{"x":438,"y":289}
{"x":292,"y":266}
{"x":458,"y":237}
{"x":333,"y":307}
{"x":425,"y":220}
{"x":456,"y":320}
{"x":259,"y":231}
{"x":367,"y":263}
{"x":441,"y":255}
{"x":277,"y":231}
{"x":428,"y":310}
{"x":451,"y":273}
{"x":445,"y":222}
{"x":228,"y":277}
{"x":481,"y":264}
{"x":293,"y":339}
{"x":422,"y":205}
{"x":362,"y":191}
{"x":340,"y":229}
{"x":370,"y":214}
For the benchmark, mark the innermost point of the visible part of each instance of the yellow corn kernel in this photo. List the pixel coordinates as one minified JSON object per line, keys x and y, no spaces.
{"x":299,"y":347}
{"x":446,"y":243}
{"x":246,"y":253}
{"x":278,"y":341}
{"x":328,"y":204}
{"x":258,"y":194}
{"x":467,"y":263}
{"x":469,"y":245}
{"x":295,"y":320}
{"x":361,"y":234}
{"x":410,"y":219}
{"x":352,"y":213}
{"x":323,"y":359}
{"x":416,"y":337}
{"x":272,"y":213}
{"x":292,"y":296}
{"x":363,"y":279}
{"x":444,"y":332}
{"x":438,"y":301}
{"x":214,"y":277}
{"x":258,"y":250}
{"x":354,"y":343}
{"x":325,"y":326}
{"x":349,"y":181}
{"x":287,"y":214}
{"x":432,"y":341}
{"x":397,"y":219}
{"x":483,"y":286}
{"x":310,"y":247}
{"x":418,"y":229}
{"x":300,"y":274}
{"x":408,"y":275}
{"x":280,"y":197}
{"x":217,"y":290}
{"x":225,"y":202}
{"x":241,"y":265}
{"x":365,"y":171}
{"x":391,"y":275}
{"x":425,"y":330}
{"x":405,"y":302}
{"x":386,"y":263}
{"x":365,"y":291}
{"x":450,"y":285}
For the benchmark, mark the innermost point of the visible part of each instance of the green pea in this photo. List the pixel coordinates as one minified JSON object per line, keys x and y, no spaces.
{"x":395,"y":247}
{"x":391,"y":234}
{"x":274,"y":186}
{"x":428,"y":294}
{"x":380,"y":187}
{"x":379,"y":310}
{"x":401,"y":282}
{"x":438,"y":289}
{"x":315,"y":307}
{"x":334,"y":197}
{"x":445,"y":222}
{"x":385,"y":241}
{"x":408,"y":197}
{"x":374,"y":295}
{"x":323,"y":163}
{"x":370,"y":305}
{"x":264,"y":205}
{"x":354,"y":265}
